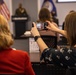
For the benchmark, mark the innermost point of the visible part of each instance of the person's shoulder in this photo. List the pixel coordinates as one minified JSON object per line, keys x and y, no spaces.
{"x":20,"y":52}
{"x":24,"y":9}
{"x":55,"y":24}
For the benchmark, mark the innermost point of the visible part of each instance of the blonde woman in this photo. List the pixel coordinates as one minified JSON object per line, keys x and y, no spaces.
{"x":12,"y":61}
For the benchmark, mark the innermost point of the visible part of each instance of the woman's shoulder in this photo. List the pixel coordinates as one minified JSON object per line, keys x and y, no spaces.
{"x":20,"y":52}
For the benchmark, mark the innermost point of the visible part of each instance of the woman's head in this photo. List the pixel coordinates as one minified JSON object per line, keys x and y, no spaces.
{"x":44,"y":15}
{"x":5,"y":36}
{"x":70,"y":27}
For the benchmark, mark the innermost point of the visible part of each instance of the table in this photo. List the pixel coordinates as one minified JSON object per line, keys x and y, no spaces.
{"x":34,"y":57}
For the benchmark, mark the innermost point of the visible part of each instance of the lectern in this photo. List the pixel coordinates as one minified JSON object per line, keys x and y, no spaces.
{"x":20,"y":25}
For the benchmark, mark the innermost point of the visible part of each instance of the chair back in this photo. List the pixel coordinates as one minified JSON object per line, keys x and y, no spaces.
{"x":51,"y":41}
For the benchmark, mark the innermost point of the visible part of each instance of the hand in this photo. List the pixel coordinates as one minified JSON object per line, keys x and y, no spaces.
{"x":34,"y":30}
{"x":52,"y":26}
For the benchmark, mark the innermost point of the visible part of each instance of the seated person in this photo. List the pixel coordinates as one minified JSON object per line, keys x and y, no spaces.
{"x":64,"y":57}
{"x":44,"y":15}
{"x":12,"y":61}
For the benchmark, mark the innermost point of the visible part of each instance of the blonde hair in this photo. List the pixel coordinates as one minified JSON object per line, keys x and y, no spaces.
{"x":6,"y":39}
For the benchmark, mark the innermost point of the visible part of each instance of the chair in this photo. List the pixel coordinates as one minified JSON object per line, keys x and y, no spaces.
{"x":71,"y":71}
{"x":48,"y":69}
{"x":51,"y":41}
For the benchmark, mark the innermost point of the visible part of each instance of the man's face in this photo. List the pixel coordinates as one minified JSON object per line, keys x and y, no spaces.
{"x":20,"y":5}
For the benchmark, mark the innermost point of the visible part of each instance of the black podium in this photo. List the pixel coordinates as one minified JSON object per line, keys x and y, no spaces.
{"x":20,"y":24}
